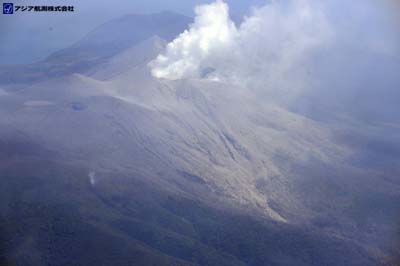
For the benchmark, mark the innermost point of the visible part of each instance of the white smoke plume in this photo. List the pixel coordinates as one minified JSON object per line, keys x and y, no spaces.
{"x":263,"y":51}
{"x":92,"y":178}
{"x":211,"y":33}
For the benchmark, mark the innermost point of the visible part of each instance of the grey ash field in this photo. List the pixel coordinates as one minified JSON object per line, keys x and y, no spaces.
{"x":103,"y":164}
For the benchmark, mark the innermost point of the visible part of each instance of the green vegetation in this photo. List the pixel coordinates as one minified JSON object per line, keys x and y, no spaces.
{"x":52,"y":215}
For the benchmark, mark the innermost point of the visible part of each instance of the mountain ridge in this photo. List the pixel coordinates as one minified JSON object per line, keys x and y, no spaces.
{"x":185,"y":172}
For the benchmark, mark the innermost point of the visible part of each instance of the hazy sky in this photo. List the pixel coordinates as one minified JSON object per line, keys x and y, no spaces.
{"x":26,"y":37}
{"x":31,"y":36}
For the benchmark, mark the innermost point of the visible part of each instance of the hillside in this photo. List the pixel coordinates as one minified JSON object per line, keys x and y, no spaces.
{"x":103,"y":164}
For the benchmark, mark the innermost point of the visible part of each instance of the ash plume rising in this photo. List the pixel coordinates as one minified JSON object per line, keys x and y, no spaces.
{"x":266,"y":48}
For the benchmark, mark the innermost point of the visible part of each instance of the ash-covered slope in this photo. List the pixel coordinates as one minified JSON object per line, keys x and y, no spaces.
{"x":145,"y":171}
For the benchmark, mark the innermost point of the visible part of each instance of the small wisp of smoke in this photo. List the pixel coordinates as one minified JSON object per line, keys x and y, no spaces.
{"x":92,"y":178}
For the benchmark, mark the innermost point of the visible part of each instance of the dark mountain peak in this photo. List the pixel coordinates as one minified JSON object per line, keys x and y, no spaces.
{"x":121,"y":33}
{"x":98,"y":46}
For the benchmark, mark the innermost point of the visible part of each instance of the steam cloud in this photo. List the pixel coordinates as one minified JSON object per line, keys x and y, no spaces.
{"x":268,"y":46}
